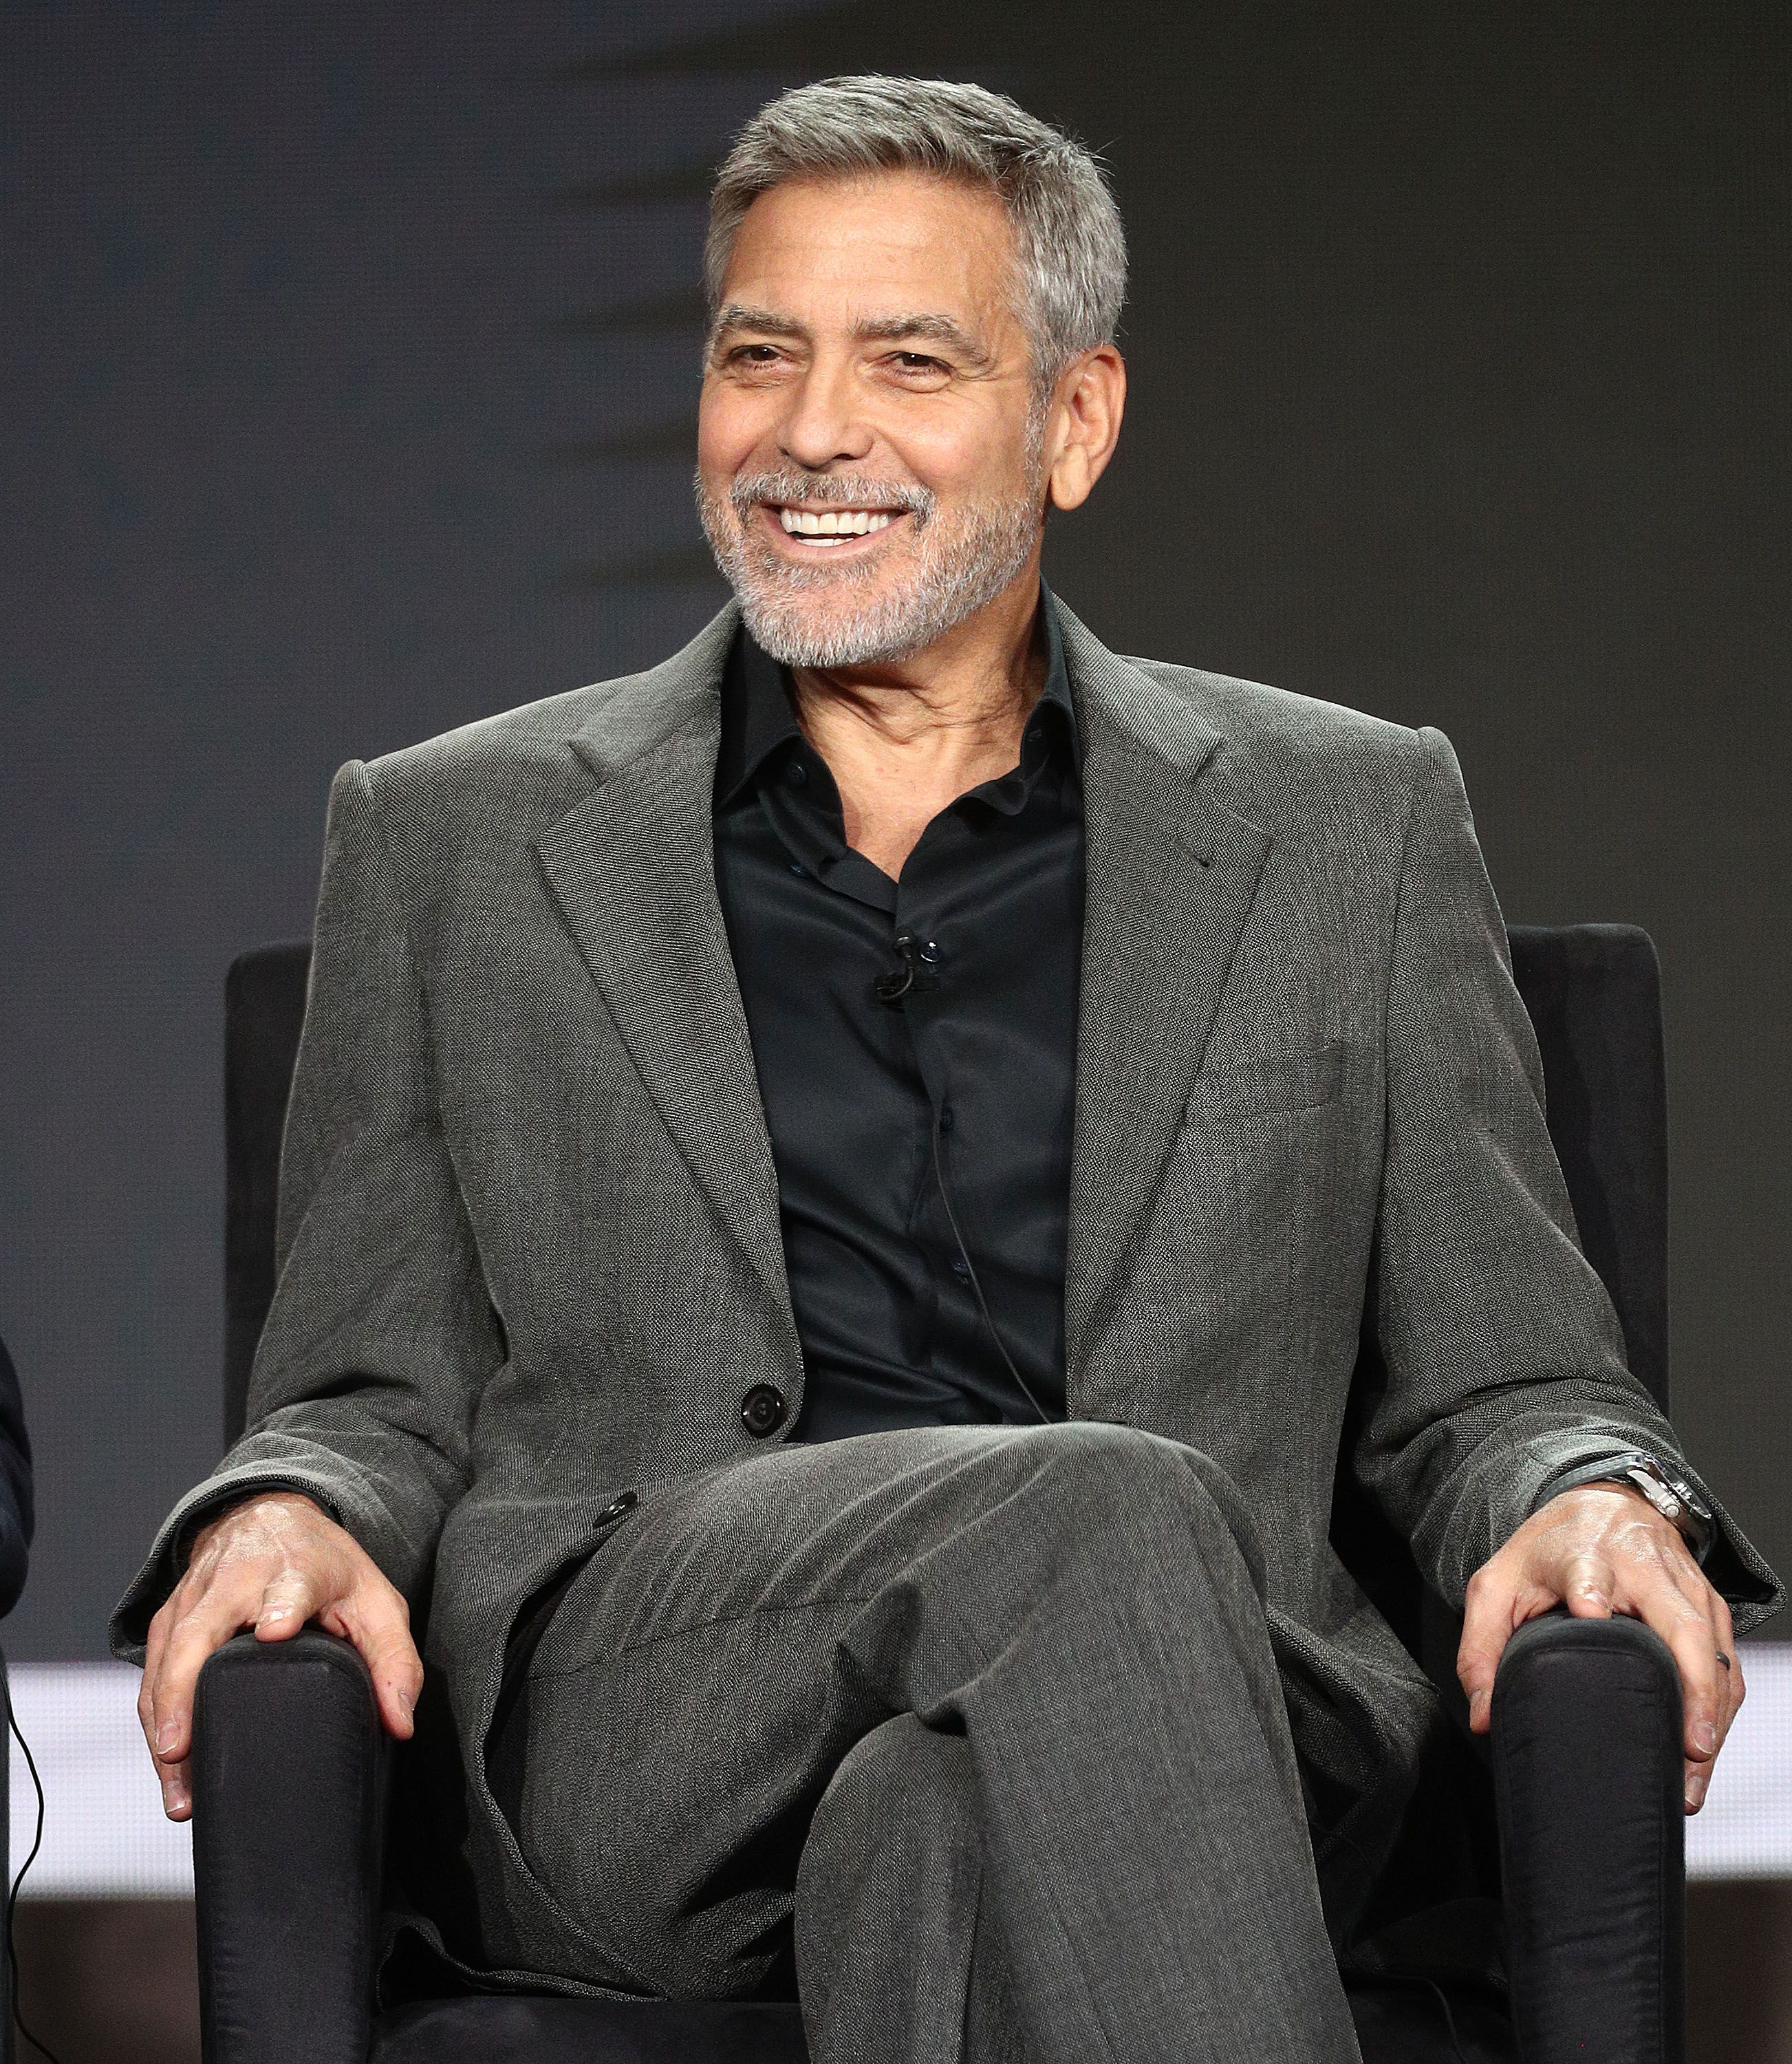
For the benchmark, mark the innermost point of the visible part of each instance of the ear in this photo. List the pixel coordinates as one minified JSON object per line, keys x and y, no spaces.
{"x":1090,"y":401}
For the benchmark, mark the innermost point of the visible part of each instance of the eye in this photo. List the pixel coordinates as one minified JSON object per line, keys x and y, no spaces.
{"x":917,"y":361}
{"x":754,"y":354}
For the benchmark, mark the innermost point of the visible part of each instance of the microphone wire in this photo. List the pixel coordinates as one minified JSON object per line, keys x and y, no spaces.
{"x":37,"y":2043}
{"x":983,"y":1306}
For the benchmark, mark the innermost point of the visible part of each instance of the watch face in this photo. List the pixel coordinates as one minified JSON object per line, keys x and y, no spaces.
{"x":1675,"y":1500}
{"x":1694,"y":1503}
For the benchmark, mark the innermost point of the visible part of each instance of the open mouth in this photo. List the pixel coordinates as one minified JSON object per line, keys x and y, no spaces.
{"x":828,"y":530}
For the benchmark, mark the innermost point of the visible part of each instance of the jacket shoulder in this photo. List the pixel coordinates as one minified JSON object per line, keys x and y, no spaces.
{"x":535,"y":762}
{"x":523,"y":754}
{"x":1316,"y":775}
{"x":1257,"y":717}
{"x":1296,"y":764}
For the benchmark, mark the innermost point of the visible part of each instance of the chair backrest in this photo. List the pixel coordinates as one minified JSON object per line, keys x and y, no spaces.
{"x":264,"y":1010}
{"x":1594,"y":995}
{"x":1593,"y":992}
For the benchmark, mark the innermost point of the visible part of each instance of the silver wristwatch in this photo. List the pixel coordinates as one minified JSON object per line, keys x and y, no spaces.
{"x":1672,"y":1496}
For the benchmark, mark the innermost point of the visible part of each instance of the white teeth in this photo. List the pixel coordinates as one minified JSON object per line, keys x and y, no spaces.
{"x":823,"y":525}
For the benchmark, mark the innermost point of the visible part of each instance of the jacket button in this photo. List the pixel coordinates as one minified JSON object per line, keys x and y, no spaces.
{"x":762,"y":1410}
{"x":622,"y":1502}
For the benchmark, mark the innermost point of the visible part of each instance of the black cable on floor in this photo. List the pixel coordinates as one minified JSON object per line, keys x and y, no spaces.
{"x":43,"y":2049}
{"x":1449,"y":2018}
{"x":1438,"y":1993}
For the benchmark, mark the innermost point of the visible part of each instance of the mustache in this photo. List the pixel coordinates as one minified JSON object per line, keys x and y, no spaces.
{"x":839,"y":490}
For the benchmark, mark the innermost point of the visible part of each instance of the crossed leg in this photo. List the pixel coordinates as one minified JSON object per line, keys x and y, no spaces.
{"x":898,"y":1942}
{"x":990,"y":1714}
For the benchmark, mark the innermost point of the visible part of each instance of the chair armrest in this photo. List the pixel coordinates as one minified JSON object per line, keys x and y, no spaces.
{"x":1587,"y":1770}
{"x":288,"y":1773}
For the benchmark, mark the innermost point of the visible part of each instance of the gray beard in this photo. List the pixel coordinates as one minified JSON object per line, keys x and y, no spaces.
{"x":962,"y":562}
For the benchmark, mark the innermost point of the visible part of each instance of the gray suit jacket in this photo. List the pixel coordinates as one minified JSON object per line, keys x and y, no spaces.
{"x":530,"y":1241}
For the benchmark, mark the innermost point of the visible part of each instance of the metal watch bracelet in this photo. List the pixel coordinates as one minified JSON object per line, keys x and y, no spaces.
{"x":1672,"y":1497}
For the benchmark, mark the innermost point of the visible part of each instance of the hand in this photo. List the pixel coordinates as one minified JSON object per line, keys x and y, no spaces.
{"x":272,"y":1563}
{"x":1599,"y":1550}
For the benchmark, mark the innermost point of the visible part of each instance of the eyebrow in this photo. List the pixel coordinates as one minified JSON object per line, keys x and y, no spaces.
{"x":878,"y":329}
{"x":936,"y":329}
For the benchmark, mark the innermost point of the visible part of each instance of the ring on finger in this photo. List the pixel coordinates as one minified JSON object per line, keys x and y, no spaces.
{"x":1723,"y":1658}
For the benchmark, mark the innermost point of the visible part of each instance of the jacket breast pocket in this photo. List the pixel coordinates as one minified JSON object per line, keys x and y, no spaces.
{"x":1270,"y":1083}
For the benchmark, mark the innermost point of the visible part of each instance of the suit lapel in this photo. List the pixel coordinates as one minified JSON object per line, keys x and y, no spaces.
{"x":633,"y":869}
{"x":1170,"y":877}
{"x":1170,"y":873}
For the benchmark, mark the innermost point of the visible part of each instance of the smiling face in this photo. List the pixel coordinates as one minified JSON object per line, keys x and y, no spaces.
{"x":871,"y":460}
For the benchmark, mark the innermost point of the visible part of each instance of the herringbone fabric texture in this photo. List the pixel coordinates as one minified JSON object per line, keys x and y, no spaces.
{"x":1095,"y":1810}
{"x":529,"y":1239}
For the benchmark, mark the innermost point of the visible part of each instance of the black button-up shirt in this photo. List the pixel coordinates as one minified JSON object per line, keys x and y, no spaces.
{"x":968,"y":1077}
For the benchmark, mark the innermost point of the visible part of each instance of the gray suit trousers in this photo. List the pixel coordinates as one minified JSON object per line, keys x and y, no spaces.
{"x":986,"y":1717}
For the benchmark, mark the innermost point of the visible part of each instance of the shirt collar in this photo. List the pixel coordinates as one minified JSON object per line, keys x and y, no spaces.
{"x":758,"y":717}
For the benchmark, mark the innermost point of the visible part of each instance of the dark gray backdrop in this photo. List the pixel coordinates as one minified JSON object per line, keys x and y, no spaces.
{"x":349,"y":366}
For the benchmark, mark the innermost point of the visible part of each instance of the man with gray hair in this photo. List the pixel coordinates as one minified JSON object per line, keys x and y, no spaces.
{"x":828,"y":1208}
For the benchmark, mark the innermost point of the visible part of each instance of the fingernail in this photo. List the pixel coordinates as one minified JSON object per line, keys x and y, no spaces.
{"x":166,"y":1736}
{"x":1695,"y":1792}
{"x":1705,"y":1738}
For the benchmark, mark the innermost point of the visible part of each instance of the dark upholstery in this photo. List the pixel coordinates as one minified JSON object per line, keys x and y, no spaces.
{"x":265,"y":1008}
{"x":547,"y":2031}
{"x":289,"y":1759}
{"x":1594,"y":995}
{"x":1586,"y":1736}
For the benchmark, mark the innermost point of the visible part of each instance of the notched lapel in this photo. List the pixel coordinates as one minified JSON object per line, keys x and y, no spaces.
{"x":1170,"y":875}
{"x":633,"y":869}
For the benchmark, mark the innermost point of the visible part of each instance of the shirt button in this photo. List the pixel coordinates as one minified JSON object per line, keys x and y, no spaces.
{"x":930,"y":952}
{"x":622,"y":1502}
{"x":961,"y":1268}
{"x":948,"y":1118}
{"x":796,"y":868}
{"x":762,"y":1410}
{"x":796,"y":773}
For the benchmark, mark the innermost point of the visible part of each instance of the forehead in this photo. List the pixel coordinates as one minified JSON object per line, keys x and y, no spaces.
{"x":834,"y":251}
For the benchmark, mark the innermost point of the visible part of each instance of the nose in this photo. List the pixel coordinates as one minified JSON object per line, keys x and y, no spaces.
{"x":824,"y":424}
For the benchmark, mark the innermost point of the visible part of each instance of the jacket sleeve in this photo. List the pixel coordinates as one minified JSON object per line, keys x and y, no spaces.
{"x":1503,"y":1364}
{"x":381,"y":1335}
{"x":16,"y":1510}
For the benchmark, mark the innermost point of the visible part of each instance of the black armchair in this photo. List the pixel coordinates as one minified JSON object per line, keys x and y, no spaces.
{"x":1581,"y":1823}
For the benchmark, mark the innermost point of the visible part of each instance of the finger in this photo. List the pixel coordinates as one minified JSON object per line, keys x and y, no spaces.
{"x":1738,"y":1684}
{"x":153,"y":1646}
{"x":1589,"y":1587}
{"x":213,"y":1619}
{"x":1728,"y":1688}
{"x":176,"y":1781}
{"x":1658,"y":1600}
{"x":374,"y":1618}
{"x":1489,"y":1614}
{"x":1725,"y":1628}
{"x":287,"y":1602}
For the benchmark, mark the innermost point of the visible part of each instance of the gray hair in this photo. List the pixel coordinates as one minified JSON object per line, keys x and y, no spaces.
{"x":1067,"y":229}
